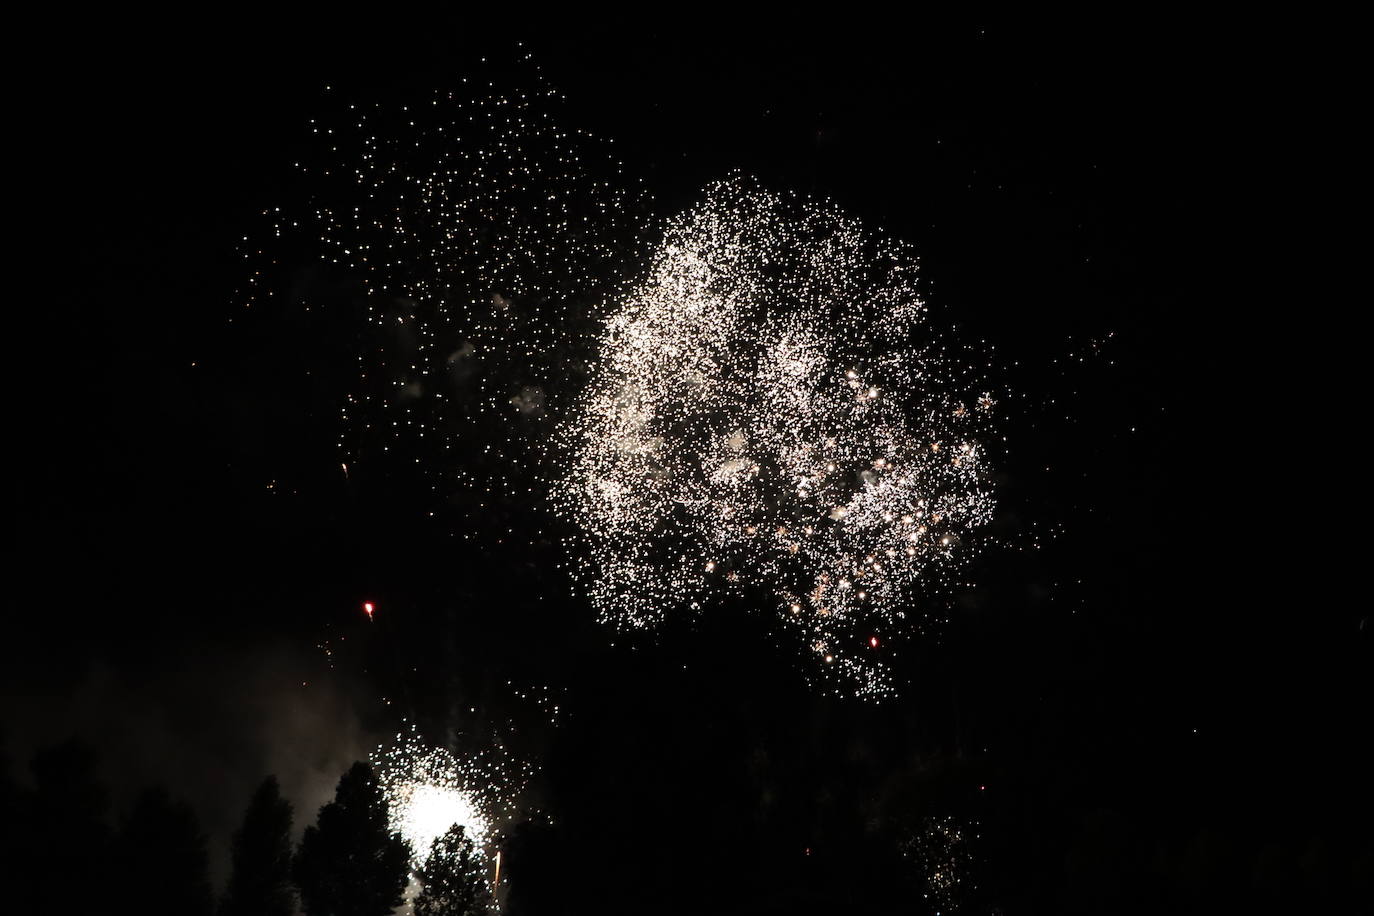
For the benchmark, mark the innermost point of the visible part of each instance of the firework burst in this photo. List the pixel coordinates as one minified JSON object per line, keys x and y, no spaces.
{"x":463,"y":230}
{"x":943,"y":852}
{"x":429,"y":789}
{"x":771,"y":412}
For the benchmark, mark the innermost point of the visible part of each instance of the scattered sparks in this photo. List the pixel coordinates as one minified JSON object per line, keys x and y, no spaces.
{"x":770,"y":410}
{"x":943,"y":852}
{"x":429,"y":789}
{"x":467,"y":228}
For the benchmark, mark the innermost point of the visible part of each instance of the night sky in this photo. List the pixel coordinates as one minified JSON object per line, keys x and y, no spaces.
{"x":1141,"y":702}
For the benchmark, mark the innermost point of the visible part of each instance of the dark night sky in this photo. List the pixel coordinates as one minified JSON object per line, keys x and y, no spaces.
{"x":1160,"y":666}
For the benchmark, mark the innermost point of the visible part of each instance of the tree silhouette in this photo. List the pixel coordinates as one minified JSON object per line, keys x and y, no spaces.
{"x":15,"y":807}
{"x":57,"y":835}
{"x":454,"y":884}
{"x":9,"y":792}
{"x":260,"y":883}
{"x":159,"y":863}
{"x":350,"y":863}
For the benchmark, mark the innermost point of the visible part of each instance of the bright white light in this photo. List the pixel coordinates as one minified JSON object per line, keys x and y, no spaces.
{"x":428,"y":789}
{"x":425,"y":811}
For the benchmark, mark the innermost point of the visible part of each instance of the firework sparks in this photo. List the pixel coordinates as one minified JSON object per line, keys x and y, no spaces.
{"x":425,"y":811}
{"x":475,"y":224}
{"x":770,"y":410}
{"x":943,"y":852}
{"x":429,"y":789}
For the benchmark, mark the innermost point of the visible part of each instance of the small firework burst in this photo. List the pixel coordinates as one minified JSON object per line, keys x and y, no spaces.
{"x":943,"y":852}
{"x":429,"y":789}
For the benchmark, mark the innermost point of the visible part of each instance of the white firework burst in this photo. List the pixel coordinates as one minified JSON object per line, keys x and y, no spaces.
{"x":429,"y":789}
{"x":770,"y":410}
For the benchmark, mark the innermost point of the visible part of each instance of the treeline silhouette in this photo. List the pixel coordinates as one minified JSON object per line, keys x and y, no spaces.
{"x":61,"y":849}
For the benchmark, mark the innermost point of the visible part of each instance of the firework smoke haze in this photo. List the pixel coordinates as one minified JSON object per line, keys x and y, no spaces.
{"x":770,"y":413}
